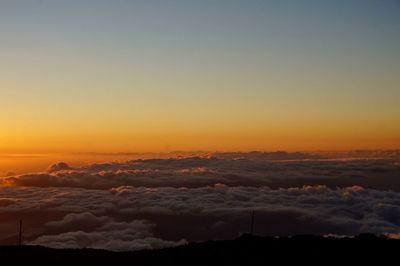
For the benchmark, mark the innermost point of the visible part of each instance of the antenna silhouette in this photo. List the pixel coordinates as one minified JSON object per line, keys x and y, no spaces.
{"x":20,"y":233}
{"x":252,"y":223}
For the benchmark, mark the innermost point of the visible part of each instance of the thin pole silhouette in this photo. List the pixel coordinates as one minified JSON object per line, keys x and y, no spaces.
{"x":252,"y":223}
{"x":20,"y":233}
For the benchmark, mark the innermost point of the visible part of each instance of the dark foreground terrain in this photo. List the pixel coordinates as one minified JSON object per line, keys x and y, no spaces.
{"x":246,"y":250}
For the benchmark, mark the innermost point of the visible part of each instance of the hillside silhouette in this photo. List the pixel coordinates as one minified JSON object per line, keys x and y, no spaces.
{"x":245,"y":250}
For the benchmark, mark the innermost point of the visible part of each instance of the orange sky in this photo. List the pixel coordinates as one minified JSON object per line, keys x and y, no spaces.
{"x":236,"y":76}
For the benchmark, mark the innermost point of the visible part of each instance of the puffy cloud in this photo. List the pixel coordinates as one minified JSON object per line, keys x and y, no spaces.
{"x":82,"y":221}
{"x":104,"y":234}
{"x":157,"y":202}
{"x":229,"y":169}
{"x":6,"y":201}
{"x":59,"y":167}
{"x":196,"y":213}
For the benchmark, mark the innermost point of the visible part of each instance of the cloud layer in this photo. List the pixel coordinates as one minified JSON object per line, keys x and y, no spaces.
{"x":206,"y":171}
{"x":154,"y":203}
{"x":135,"y":217}
{"x":85,"y":230}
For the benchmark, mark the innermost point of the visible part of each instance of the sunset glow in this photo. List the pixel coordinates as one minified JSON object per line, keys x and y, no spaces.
{"x":242,"y":79}
{"x":206,"y":132}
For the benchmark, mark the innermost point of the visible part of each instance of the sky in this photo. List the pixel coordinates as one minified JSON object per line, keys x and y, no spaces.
{"x":119,"y":76}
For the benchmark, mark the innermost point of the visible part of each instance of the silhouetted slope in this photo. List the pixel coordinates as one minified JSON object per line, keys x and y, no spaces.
{"x":246,"y":250}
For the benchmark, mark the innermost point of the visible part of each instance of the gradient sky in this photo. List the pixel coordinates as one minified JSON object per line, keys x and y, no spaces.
{"x":148,"y":75}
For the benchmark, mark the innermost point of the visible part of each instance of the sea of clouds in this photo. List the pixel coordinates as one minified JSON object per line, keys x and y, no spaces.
{"x":154,"y":203}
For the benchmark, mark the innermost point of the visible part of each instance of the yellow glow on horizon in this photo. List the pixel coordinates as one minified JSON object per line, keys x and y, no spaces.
{"x":164,"y":141}
{"x":68,"y":85}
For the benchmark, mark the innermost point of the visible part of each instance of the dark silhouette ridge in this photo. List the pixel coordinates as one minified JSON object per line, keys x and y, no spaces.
{"x":245,"y":250}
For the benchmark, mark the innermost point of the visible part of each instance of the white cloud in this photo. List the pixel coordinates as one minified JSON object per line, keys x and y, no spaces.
{"x":105,"y":234}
